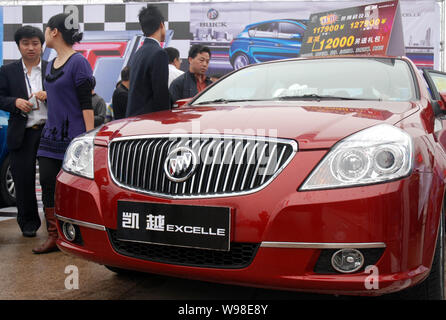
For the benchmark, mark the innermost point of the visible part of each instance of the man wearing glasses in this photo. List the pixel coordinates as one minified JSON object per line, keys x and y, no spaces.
{"x":23,"y":96}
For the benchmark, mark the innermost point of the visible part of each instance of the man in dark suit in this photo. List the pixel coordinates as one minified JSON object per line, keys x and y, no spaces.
{"x":149,"y":67}
{"x":121,"y":95}
{"x":23,"y":96}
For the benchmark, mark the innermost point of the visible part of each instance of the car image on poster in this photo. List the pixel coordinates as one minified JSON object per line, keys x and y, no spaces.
{"x":266,"y":41}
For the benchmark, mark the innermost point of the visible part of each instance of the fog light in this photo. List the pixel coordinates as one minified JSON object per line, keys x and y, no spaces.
{"x":347,"y":260}
{"x":69,"y":231}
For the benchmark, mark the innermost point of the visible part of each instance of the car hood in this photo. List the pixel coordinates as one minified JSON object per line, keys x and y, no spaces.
{"x":314,"y":125}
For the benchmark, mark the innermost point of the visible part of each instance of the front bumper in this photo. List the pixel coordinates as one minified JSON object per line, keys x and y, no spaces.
{"x":289,"y":229}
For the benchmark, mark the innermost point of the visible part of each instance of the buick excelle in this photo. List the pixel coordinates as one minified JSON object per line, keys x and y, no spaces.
{"x":321,"y":175}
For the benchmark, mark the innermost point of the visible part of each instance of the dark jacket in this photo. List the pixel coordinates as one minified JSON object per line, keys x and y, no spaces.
{"x":185,"y":86}
{"x":99,"y":108}
{"x":149,"y":74}
{"x":12,"y":87}
{"x":119,"y":101}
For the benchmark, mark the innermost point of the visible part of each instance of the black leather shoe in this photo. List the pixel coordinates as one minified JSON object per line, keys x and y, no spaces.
{"x":29,"y":234}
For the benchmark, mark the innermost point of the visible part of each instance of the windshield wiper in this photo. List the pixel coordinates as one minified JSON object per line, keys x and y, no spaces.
{"x":223,"y":101}
{"x":320,"y":97}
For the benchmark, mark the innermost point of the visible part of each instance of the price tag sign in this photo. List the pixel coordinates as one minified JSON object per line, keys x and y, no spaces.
{"x":374,"y":29}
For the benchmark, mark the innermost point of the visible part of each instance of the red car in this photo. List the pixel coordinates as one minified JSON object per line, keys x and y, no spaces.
{"x":320,"y":175}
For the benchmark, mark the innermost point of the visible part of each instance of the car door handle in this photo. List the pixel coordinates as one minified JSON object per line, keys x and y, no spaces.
{"x":277,"y":45}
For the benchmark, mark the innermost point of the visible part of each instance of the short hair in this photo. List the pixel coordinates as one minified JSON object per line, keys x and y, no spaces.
{"x":125,"y":74}
{"x":198,"y":48}
{"x":150,"y":19}
{"x":71,"y":35}
{"x":172,"y":53}
{"x":28,"y":32}
{"x":93,"y":82}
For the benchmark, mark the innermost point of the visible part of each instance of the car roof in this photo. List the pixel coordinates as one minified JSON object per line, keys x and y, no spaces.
{"x":364,"y":56}
{"x":278,"y":20}
{"x":357,"y":56}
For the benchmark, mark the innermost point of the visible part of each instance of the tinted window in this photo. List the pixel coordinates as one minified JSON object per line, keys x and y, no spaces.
{"x":266,"y":30}
{"x":290,"y":28}
{"x":269,"y":27}
{"x":361,"y":78}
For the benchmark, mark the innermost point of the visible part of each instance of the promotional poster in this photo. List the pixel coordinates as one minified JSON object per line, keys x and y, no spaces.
{"x":370,"y":29}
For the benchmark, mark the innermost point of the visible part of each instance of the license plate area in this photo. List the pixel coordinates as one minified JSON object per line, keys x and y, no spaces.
{"x":175,"y":225}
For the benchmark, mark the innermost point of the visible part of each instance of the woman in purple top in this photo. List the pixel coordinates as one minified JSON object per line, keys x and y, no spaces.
{"x":68,"y":82}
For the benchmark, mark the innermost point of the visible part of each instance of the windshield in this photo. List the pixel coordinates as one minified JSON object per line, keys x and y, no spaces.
{"x":337,"y":78}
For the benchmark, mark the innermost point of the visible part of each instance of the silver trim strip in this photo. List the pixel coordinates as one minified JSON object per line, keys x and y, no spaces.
{"x":81,"y":223}
{"x":321,"y":245}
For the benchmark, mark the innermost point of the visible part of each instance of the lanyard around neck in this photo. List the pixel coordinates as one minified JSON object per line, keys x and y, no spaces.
{"x":29,"y":84}
{"x":37,"y":106}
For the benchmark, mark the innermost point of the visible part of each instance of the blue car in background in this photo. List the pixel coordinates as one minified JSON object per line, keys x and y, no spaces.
{"x":267,"y":40}
{"x":7,"y":191}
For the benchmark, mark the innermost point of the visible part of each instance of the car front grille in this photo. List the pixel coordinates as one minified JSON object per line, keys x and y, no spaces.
{"x":240,"y":255}
{"x":226,"y":165}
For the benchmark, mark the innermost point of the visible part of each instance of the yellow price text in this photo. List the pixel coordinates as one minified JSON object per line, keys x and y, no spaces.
{"x":330,"y":28}
{"x":333,"y":43}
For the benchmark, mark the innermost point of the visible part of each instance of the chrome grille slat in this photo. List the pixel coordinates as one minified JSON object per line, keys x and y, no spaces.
{"x":216,"y":153}
{"x":136,"y":164}
{"x":222,"y":165}
{"x":177,"y":185}
{"x":259,"y":162}
{"x":205,"y":164}
{"x":227,"y":165}
{"x":250,"y":161}
{"x":129,"y":153}
{"x":280,"y":159}
{"x":159,"y":167}
{"x":202,"y":145}
{"x":194,"y":146}
{"x":116,"y":160}
{"x":121,"y":172}
{"x":151,"y":167}
{"x":240,"y":164}
{"x":140,"y":161}
{"x":113,"y":152}
{"x":170,"y":146}
{"x":231,"y":162}
{"x":271,"y":157}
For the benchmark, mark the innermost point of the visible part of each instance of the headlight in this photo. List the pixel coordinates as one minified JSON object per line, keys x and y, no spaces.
{"x":79,"y":155}
{"x":377,"y":154}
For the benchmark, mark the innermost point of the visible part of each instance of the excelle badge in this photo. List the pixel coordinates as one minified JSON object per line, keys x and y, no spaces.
{"x":177,"y":225}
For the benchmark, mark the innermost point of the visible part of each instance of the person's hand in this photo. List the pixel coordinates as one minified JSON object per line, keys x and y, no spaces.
{"x":23,"y":105}
{"x":41,"y":95}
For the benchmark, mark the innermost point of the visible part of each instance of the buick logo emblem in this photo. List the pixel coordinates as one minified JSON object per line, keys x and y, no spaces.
{"x":212,"y":14}
{"x":180,"y":164}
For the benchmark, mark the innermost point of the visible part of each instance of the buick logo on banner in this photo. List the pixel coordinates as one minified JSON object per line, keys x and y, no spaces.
{"x":180,"y":164}
{"x":212,"y":14}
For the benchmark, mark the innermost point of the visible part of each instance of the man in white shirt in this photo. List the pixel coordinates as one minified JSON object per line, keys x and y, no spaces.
{"x":174,"y":64}
{"x":23,"y":96}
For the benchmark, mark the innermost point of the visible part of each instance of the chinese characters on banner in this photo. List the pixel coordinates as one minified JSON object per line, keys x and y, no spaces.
{"x":374,"y":29}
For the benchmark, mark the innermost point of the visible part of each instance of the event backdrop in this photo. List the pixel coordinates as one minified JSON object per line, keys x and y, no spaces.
{"x":218,"y":25}
{"x":215,"y":24}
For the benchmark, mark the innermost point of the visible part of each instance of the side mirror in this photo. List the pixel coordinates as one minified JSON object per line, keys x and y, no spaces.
{"x":442,"y":102}
{"x":439,"y":106}
{"x":182,"y":102}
